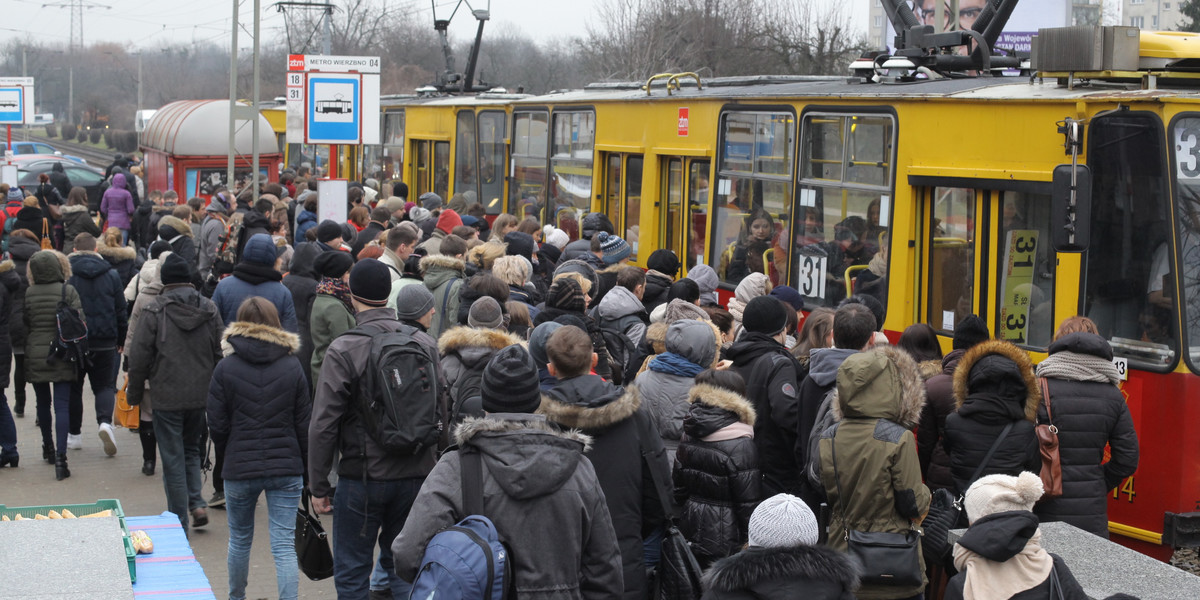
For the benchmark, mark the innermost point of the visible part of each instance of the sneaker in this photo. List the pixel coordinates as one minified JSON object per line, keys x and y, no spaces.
{"x":380,"y":595}
{"x":217,"y":500}
{"x":74,"y":442}
{"x":148,"y":467}
{"x":108,"y":438}
{"x":199,"y":517}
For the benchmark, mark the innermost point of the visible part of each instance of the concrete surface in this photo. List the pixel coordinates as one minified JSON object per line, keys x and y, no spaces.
{"x":64,"y":559}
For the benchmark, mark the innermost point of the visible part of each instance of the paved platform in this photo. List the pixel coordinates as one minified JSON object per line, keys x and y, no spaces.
{"x":64,"y":559}
{"x":1105,"y":568}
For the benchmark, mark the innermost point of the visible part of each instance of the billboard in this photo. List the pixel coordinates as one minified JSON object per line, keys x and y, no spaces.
{"x":1018,"y":33}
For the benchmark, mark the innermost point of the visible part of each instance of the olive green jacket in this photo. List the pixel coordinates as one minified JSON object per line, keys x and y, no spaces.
{"x":47,"y":271}
{"x":878,"y":401}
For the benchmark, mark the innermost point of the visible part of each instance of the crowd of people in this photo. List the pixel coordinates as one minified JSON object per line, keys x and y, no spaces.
{"x":606,"y":403}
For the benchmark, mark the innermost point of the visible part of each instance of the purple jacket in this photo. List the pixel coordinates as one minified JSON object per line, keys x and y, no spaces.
{"x":117,"y":203}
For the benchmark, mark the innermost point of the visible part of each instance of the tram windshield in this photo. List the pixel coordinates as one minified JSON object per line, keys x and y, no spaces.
{"x":1130,"y":271}
{"x":1186,"y":135}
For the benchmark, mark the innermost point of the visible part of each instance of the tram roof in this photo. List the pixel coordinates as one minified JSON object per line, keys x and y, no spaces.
{"x":201,"y":128}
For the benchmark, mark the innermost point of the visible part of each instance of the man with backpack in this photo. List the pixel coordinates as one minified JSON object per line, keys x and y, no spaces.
{"x":377,"y":403}
{"x":212,"y":233}
{"x":533,"y":484}
{"x":623,"y":319}
{"x":465,"y":352}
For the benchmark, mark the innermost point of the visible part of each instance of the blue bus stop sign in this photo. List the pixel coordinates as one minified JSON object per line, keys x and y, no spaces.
{"x":334,"y":109}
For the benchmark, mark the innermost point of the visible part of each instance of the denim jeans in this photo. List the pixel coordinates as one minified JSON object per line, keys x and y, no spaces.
{"x":365,"y":516}
{"x":60,"y":402}
{"x":283,"y":498}
{"x":8,"y":429}
{"x":100,"y":374}
{"x":181,"y":450}
{"x":379,"y":577}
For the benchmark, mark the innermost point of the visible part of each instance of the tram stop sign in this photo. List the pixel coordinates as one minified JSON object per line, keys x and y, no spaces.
{"x":332,"y":99}
{"x":16,"y":100}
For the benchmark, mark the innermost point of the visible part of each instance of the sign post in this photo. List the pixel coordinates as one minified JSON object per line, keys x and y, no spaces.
{"x":332,"y":100}
{"x":16,"y":103}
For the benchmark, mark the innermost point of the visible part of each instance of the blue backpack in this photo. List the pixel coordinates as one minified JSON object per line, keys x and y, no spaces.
{"x":467,"y":561}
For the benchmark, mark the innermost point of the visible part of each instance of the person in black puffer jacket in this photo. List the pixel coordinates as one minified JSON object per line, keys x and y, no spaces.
{"x":717,"y":481}
{"x":662,"y":267}
{"x":993,"y":385}
{"x":258,"y":412}
{"x":10,"y":284}
{"x":1090,"y":413}
{"x":939,"y":403}
{"x":782,"y":560}
{"x":21,"y":247}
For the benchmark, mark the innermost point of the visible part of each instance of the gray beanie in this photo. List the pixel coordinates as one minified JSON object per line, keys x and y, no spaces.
{"x":782,"y":521}
{"x":413,"y":302}
{"x":537,"y":342}
{"x":485,"y":313}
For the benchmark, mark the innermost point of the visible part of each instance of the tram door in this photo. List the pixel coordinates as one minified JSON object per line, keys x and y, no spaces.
{"x":951,"y":256}
{"x":623,"y":196}
{"x":683,"y":208}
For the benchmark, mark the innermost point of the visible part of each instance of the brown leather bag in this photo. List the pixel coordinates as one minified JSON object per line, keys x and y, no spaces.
{"x":1047,"y":435}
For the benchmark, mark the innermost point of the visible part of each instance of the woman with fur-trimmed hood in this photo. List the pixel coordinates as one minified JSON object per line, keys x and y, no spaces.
{"x":879,"y":399}
{"x":122,"y":258}
{"x":994,"y":385}
{"x":717,"y":480}
{"x":464,"y":352}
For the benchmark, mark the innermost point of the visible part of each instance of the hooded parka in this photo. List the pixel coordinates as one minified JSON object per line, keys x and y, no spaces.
{"x":467,"y":349}
{"x":76,"y":220}
{"x":103,"y":299}
{"x":664,"y":389}
{"x":47,"y":271}
{"x":879,"y":399}
{"x":993,"y":385}
{"x":992,"y":542}
{"x":717,"y":481}
{"x":444,"y":277}
{"x":175,"y":347}
{"x":770,"y":374}
{"x":542,"y":495}
{"x":808,"y":572}
{"x":1090,"y":413}
{"x":10,"y":286}
{"x":939,"y":403}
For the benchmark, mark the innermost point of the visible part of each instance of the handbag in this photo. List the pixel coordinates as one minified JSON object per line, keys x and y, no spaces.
{"x":1047,"y":435}
{"x":312,"y":543}
{"x":678,"y":574}
{"x":46,"y":243}
{"x":946,"y":513}
{"x":891,"y":559}
{"x":125,"y":415}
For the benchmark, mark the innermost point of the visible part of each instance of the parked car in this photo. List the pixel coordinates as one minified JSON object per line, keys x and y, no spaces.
{"x":87,"y":177}
{"x":22,"y":148}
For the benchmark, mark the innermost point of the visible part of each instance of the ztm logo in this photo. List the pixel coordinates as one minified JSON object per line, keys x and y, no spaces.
{"x":683,"y":122}
{"x":295,"y":62}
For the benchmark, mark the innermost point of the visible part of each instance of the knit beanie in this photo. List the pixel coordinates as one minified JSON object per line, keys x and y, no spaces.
{"x":260,"y":250}
{"x":1002,"y":493}
{"x":782,"y":521}
{"x":510,"y":382}
{"x":614,"y":248}
{"x":576,"y":265}
{"x":556,"y":237}
{"x":419,"y":215}
{"x":594,"y":223}
{"x":430,"y":201}
{"x":370,"y":282}
{"x":972,"y":330}
{"x":400,"y":189}
{"x":485,"y":313}
{"x":520,"y":244}
{"x":413,"y":302}
{"x":333,"y":264}
{"x":537,"y":342}
{"x":408,"y":206}
{"x":679,"y":310}
{"x":764,"y":314}
{"x":664,"y":261}
{"x":448,"y":220}
{"x":15,"y":195}
{"x":328,"y":231}
{"x":565,"y":294}
{"x":174,"y":270}
{"x":217,"y":205}
{"x":394,"y":203}
{"x":789,"y":294}
{"x":157,"y":248}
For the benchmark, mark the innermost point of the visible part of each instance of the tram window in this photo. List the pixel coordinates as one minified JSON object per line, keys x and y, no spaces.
{"x":1025,"y":300}
{"x":393,"y":143}
{"x":571,"y":168}
{"x":951,"y":266}
{"x":633,"y":202}
{"x":422,"y":176}
{"x":823,"y":148}
{"x":697,"y":211}
{"x":529,"y":144}
{"x":1130,"y":271}
{"x":869,"y":151}
{"x":1186,"y":135}
{"x":612,"y":189}
{"x":753,"y":196}
{"x":464,"y":155}
{"x":672,"y":234}
{"x":441,"y":168}
{"x":492,"y":131}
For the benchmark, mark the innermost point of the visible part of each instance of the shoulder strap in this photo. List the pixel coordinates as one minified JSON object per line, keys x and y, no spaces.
{"x":837,"y":481}
{"x":446,"y":300}
{"x":1045,"y":387}
{"x":471,"y":471}
{"x":988,"y":457}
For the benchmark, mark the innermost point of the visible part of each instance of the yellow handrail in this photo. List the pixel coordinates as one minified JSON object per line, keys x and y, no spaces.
{"x":654,"y":78}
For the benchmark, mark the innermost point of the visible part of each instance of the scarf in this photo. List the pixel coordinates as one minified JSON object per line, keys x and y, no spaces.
{"x":730,"y":432}
{"x":991,"y":580}
{"x":255,"y":274}
{"x":878,"y":264}
{"x":674,"y":364}
{"x":1074,"y":366}
{"x":338,"y":289}
{"x":735,"y":308}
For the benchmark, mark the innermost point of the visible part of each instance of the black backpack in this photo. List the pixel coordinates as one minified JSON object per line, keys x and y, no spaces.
{"x":620,"y":348}
{"x":399,"y":394}
{"x":70,"y":343}
{"x":466,"y":396}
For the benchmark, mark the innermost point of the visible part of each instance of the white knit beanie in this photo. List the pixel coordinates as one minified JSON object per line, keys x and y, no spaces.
{"x":782,"y":521}
{"x":1001,"y":493}
{"x":555,"y":237}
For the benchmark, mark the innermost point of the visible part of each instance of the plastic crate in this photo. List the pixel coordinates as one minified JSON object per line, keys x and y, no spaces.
{"x":131,"y":559}
{"x":79,"y":510}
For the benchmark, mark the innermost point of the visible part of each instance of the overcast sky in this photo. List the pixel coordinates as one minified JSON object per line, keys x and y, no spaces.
{"x":141,"y":23}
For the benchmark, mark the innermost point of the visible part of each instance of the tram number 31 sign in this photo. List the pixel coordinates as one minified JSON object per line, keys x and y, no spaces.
{"x":811,"y":279}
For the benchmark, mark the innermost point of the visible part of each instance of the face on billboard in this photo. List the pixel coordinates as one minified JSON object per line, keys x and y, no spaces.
{"x":968,"y":11}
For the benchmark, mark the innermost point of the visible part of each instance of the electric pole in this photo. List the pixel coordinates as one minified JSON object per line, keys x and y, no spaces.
{"x":77,"y":7}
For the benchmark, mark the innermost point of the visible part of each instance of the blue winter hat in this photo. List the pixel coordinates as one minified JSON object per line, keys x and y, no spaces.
{"x":789,"y":295}
{"x":260,"y":250}
{"x":469,"y":221}
{"x":614,"y":248}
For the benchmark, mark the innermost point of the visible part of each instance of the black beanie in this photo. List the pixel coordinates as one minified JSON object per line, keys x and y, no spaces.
{"x":510,"y":382}
{"x":174,"y":270}
{"x":520,"y":244}
{"x":157,"y":248}
{"x":664,"y":261}
{"x":370,"y":282}
{"x":333,"y":263}
{"x":764,"y":314}
{"x":328,"y":231}
{"x":970,"y":331}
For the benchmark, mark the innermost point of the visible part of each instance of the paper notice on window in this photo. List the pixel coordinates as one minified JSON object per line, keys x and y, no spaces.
{"x":885,"y":207}
{"x":948,"y":320}
{"x":724,"y":186}
{"x":808,"y":197}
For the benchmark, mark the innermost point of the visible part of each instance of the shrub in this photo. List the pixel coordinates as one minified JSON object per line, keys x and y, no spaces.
{"x":95,"y":135}
{"x":125,"y":141}
{"x":69,"y":131}
{"x":82,"y":137}
{"x":51,"y":131}
{"x":108,"y":138}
